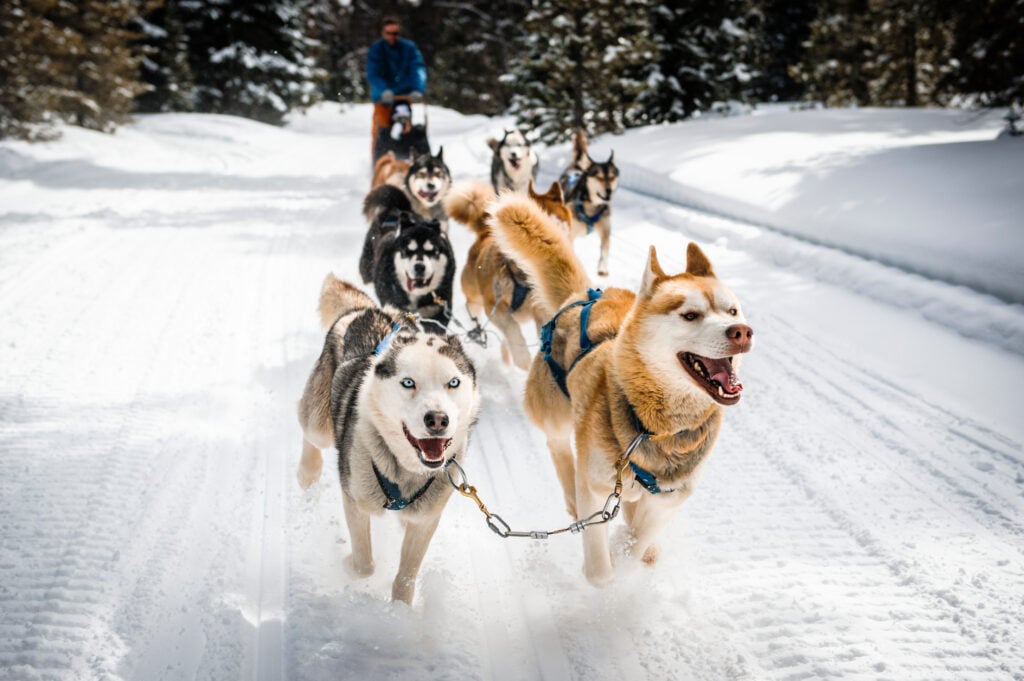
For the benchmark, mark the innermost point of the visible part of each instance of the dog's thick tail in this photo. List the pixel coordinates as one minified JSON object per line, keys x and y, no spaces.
{"x":540,"y":247}
{"x":579,"y":145}
{"x":339,"y":297}
{"x":467,"y":203}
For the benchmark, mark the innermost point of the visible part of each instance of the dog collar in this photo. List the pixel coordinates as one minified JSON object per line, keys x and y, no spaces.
{"x":394,"y":501}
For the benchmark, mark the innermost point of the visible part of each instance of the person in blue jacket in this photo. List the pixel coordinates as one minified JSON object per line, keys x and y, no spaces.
{"x":394,"y":66}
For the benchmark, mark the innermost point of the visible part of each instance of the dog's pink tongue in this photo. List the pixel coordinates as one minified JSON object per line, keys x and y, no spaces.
{"x":721,"y":371}
{"x":432,"y":448}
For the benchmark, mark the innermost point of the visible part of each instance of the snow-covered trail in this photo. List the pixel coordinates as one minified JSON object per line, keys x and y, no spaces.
{"x":857,"y":519}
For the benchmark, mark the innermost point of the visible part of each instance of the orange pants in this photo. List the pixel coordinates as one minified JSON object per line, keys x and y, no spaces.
{"x":381,"y":118}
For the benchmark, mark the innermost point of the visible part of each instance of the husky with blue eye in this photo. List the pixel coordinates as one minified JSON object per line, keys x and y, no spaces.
{"x":398,"y":404}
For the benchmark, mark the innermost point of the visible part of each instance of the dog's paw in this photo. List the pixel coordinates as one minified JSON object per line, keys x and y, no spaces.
{"x":308,"y":476}
{"x":359,"y":568}
{"x":403,"y":590}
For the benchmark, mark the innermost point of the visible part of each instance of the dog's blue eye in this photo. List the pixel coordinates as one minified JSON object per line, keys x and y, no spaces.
{"x":454,"y":383}
{"x":408,"y":383}
{"x":690,"y":316}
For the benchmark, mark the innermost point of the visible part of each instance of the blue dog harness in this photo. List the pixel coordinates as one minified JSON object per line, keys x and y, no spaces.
{"x":393,"y":493}
{"x":581,"y":212}
{"x":547,"y":331}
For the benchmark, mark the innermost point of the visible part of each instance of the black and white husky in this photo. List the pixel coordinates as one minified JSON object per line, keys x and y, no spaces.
{"x":426,"y":183}
{"x":514,"y":164}
{"x":408,"y":260}
{"x":398,"y":405}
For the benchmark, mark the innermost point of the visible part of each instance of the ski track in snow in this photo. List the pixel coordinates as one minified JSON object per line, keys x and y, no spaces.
{"x":846,"y":528}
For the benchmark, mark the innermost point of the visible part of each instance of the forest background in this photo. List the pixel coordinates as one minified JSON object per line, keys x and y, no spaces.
{"x":599,"y":64}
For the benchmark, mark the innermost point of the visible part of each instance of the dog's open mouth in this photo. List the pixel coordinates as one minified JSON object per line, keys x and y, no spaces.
{"x":716,"y":376}
{"x":430,"y":449}
{"x":412,"y":283}
{"x":427,"y":196}
{"x":516,"y":162}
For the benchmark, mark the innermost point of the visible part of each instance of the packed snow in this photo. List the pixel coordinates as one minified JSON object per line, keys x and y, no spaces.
{"x":862,"y":515}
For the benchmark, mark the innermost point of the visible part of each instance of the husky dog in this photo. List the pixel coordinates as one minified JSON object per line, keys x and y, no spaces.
{"x":659,"y":365}
{"x":588,"y":188}
{"x":515,"y":162}
{"x":426,"y":182}
{"x":495,"y":288}
{"x":398,"y":405}
{"x":408,"y":260}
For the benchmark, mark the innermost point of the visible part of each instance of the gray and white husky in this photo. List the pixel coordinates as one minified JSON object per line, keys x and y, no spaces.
{"x":398,"y":404}
{"x":514,"y":163}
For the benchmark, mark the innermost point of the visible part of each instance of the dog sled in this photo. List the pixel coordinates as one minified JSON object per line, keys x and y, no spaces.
{"x":401,"y":134}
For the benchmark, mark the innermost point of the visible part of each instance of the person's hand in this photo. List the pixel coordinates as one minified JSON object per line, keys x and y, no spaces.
{"x":416,"y":97}
{"x":387,"y":97}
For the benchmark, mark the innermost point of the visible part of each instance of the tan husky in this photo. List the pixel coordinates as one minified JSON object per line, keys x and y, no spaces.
{"x":659,"y":364}
{"x":495,"y":288}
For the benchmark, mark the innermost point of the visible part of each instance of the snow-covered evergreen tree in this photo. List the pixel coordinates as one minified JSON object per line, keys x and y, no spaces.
{"x":706,"y":52}
{"x":785,"y":28}
{"x":583,"y":65}
{"x":989,"y":48}
{"x":881,"y":53}
{"x":165,"y":67}
{"x":73,"y":61}
{"x":249,"y":58}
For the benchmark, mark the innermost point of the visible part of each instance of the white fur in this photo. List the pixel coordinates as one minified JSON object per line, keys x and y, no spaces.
{"x":391,"y":405}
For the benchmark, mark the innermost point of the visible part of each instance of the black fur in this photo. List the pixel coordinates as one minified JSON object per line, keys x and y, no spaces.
{"x":392,"y":231}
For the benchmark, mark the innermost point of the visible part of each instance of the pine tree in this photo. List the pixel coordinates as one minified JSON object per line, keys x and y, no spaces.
{"x":73,"y":61}
{"x":707,"y":49}
{"x":583,"y":66}
{"x":165,"y":67}
{"x":989,"y":46}
{"x":833,"y":70}
{"x":785,"y":28}
{"x":249,"y":58}
{"x":911,"y":53}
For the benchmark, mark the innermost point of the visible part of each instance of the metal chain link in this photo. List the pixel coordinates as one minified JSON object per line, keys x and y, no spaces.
{"x":503,"y":530}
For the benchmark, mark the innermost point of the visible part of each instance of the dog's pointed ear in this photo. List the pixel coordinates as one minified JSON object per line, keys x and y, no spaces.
{"x":611,"y":157}
{"x":652,"y":273}
{"x":440,"y":153}
{"x":493,"y":143}
{"x":697,"y":263}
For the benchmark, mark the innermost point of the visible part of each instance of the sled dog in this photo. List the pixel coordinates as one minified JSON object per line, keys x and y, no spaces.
{"x":659,"y":364}
{"x":514,"y":163}
{"x":398,"y":405}
{"x":588,"y":188}
{"x":426,"y":183}
{"x":495,"y":288}
{"x":408,"y":259}
{"x":389,"y":170}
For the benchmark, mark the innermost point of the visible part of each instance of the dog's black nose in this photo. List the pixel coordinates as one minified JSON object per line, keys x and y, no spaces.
{"x":419,"y":268}
{"x":435,"y":421}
